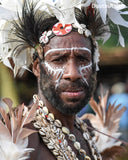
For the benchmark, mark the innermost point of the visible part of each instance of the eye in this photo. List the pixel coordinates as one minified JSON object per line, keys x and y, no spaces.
{"x":59,"y":60}
{"x":83,"y":59}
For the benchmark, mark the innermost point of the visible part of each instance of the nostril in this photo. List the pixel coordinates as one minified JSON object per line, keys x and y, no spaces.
{"x":72,"y":74}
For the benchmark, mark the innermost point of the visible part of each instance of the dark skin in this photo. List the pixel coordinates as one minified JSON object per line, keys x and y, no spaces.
{"x":71,"y":97}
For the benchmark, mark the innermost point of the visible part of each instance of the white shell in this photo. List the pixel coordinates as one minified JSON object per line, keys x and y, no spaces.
{"x":37,"y":125}
{"x":45,"y":140}
{"x":88,"y":158}
{"x":40,"y":103}
{"x":62,"y":136}
{"x":73,"y":154}
{"x":81,"y":151}
{"x":55,"y":152}
{"x":50,"y":146}
{"x":57,"y":147}
{"x":52,"y":141}
{"x":74,"y":26}
{"x":60,"y":158}
{"x":72,"y":137}
{"x":41,"y":39}
{"x":80,"y":31}
{"x":49,"y":33}
{"x":84,"y":127}
{"x":51,"y":117}
{"x":35,"y":98}
{"x":77,"y":145}
{"x":48,"y":135}
{"x":45,"y":110}
{"x":58,"y":123}
{"x":79,"y":121}
{"x":42,"y":132}
{"x":87,"y":33}
{"x":86,"y":136}
{"x":83,"y":26}
{"x":65,"y":143}
{"x":37,"y":111}
{"x":69,"y":148}
{"x":43,"y":115}
{"x":45,"y":40}
{"x":59,"y":131}
{"x":65,"y":130}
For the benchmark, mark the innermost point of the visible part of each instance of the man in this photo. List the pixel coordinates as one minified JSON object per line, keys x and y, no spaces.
{"x":65,"y":64}
{"x":64,"y":96}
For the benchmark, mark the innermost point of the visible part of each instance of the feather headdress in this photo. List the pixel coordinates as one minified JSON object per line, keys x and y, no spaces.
{"x":106,"y":125}
{"x":23,"y":21}
{"x":13,"y":135}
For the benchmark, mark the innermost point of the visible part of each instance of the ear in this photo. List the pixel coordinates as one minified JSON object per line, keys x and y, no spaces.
{"x":36,"y":68}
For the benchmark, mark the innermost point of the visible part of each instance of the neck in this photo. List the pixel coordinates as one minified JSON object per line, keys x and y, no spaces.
{"x":66,"y":120}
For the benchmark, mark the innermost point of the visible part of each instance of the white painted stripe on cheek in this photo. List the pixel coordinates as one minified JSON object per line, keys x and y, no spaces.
{"x":84,"y":71}
{"x":58,"y":72}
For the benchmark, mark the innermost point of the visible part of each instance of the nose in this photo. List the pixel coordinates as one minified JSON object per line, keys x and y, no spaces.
{"x":72,"y":71}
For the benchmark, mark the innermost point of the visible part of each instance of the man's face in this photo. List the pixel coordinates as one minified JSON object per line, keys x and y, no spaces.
{"x":66,"y":80}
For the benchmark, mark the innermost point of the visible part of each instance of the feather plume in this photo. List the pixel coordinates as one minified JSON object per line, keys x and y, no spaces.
{"x":13,"y":135}
{"x":23,"y":21}
{"x":112,"y":154}
{"x":106,"y":121}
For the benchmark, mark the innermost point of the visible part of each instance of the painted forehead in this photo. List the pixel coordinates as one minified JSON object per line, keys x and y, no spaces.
{"x":67,"y":49}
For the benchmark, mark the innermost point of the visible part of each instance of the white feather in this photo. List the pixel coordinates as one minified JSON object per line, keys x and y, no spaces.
{"x":116,"y":18}
{"x":13,"y":5}
{"x":104,"y":142}
{"x":7,"y":14}
{"x":102,"y":6}
{"x":11,"y":151}
{"x":121,"y":39}
{"x":63,"y":10}
{"x":116,"y":4}
{"x":123,"y":13}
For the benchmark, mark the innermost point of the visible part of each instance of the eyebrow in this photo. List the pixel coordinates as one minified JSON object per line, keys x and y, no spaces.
{"x":68,"y":49}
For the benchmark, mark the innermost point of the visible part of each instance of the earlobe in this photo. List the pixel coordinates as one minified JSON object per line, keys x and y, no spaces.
{"x":36,"y":68}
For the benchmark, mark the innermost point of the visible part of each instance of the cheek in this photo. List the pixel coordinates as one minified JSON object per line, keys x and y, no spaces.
{"x":55,"y":72}
{"x":85,"y":72}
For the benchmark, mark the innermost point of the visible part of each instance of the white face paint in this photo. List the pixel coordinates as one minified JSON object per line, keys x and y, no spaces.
{"x":67,"y":49}
{"x":84,"y":70}
{"x":59,"y":71}
{"x":55,"y":71}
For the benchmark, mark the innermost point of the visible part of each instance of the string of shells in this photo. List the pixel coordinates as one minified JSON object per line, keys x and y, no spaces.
{"x":53,"y":135}
{"x":87,"y":137}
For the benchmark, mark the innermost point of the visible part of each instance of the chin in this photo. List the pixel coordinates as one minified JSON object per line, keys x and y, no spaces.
{"x":71,"y":108}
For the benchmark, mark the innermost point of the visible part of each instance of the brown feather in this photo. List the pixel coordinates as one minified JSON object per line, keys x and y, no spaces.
{"x":15,"y":121}
{"x":4,"y":130}
{"x":106,"y":123}
{"x":25,"y":120}
{"x":113,"y":153}
{"x":5,"y":118}
{"x":26,"y":132}
{"x":95,"y":107}
{"x":8,"y":102}
{"x":20,"y":114}
{"x":28,"y":118}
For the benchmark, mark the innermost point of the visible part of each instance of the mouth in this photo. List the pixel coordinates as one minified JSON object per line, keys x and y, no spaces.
{"x":73,"y":93}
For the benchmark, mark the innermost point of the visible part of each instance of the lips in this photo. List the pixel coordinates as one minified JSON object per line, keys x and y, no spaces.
{"x":73,"y":93}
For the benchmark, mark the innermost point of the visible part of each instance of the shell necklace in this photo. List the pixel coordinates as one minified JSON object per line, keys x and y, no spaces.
{"x":53,"y":135}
